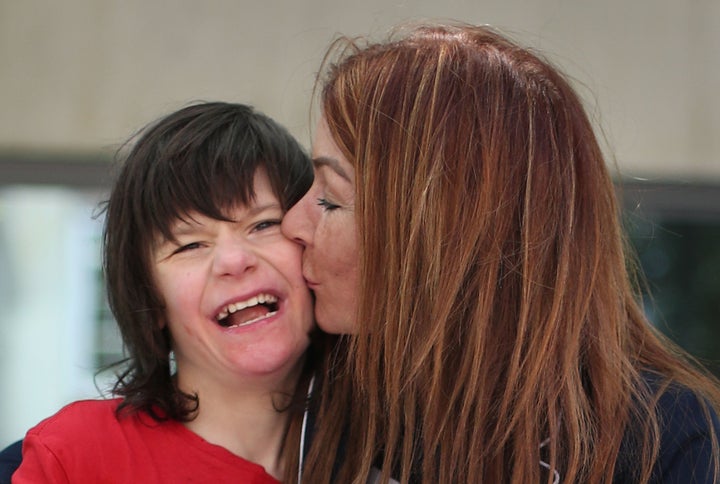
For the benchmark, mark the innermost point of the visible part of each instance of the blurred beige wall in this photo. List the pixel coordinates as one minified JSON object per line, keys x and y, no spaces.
{"x":82,"y":75}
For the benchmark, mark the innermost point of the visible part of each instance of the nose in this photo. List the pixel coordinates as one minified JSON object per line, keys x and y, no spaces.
{"x":297,"y":223}
{"x":233,"y":257}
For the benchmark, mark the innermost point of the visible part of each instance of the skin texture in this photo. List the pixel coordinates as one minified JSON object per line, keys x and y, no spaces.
{"x":213,"y":263}
{"x":323,"y":222}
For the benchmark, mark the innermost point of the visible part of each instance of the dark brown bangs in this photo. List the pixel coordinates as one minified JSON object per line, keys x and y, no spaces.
{"x":206,"y":163}
{"x":201,"y":174}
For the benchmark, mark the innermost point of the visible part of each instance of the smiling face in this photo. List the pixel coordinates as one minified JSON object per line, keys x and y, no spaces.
{"x":323,"y":222}
{"x":235,"y":300}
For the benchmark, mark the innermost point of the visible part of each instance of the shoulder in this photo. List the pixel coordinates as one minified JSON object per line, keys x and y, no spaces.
{"x":684,"y":415}
{"x":80,"y":416}
{"x":689,"y":428}
{"x":87,"y":408}
{"x":70,"y":443}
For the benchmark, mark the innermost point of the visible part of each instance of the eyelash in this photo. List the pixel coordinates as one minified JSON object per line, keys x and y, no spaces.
{"x":260,"y":226}
{"x":266,"y":224}
{"x":190,"y":246}
{"x":328,"y":206}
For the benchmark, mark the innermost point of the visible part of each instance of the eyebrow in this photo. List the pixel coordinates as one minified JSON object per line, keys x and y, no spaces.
{"x":331,"y":163}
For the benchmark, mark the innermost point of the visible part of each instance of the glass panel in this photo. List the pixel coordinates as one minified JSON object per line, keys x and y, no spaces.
{"x":53,"y":316}
{"x":681,"y":262}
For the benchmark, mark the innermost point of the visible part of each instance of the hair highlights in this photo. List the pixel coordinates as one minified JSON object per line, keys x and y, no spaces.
{"x":495,"y":309}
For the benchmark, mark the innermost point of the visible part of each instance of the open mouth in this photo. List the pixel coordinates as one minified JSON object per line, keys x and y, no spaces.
{"x":244,"y":313}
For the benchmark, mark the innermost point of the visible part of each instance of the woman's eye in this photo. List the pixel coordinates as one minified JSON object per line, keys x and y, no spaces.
{"x":326,"y":205}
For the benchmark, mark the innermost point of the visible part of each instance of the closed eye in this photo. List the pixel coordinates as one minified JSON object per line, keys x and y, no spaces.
{"x":187,"y":247}
{"x":326,"y":205}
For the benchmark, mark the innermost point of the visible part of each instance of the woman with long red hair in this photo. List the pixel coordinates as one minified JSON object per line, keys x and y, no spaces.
{"x":463,"y":229}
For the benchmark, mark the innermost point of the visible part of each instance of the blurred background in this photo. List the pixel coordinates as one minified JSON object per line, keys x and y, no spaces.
{"x":78,"y":77}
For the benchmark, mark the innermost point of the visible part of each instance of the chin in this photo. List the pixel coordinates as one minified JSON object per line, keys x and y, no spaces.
{"x":273,"y":360}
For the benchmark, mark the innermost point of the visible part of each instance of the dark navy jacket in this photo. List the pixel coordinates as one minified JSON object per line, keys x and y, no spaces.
{"x":10,"y":459}
{"x":686,"y":454}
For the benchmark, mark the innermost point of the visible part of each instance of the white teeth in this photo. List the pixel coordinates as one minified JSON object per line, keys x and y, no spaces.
{"x":253,"y":301}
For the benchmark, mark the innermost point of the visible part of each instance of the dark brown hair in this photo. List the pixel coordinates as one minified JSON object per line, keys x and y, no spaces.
{"x":495,"y":311}
{"x":201,"y":158}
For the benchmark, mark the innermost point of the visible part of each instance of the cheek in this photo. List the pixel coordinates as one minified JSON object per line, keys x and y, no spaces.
{"x":181,"y":316}
{"x":178,"y":295}
{"x":341,"y":252}
{"x":339,"y":265}
{"x":287,"y":257}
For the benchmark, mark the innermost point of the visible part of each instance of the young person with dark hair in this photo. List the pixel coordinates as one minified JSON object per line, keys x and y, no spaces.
{"x":212,"y":307}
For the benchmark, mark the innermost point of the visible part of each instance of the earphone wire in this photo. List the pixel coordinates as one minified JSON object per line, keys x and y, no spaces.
{"x":303,"y":429}
{"x":556,"y":474}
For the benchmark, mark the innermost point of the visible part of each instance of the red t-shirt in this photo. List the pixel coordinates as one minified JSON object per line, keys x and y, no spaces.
{"x":85,"y":442}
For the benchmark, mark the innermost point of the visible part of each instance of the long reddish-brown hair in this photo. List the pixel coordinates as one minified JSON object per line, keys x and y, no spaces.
{"x":495,"y":310}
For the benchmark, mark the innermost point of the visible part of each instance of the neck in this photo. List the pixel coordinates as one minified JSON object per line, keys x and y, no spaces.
{"x":243,"y":417}
{"x":249,"y":427}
